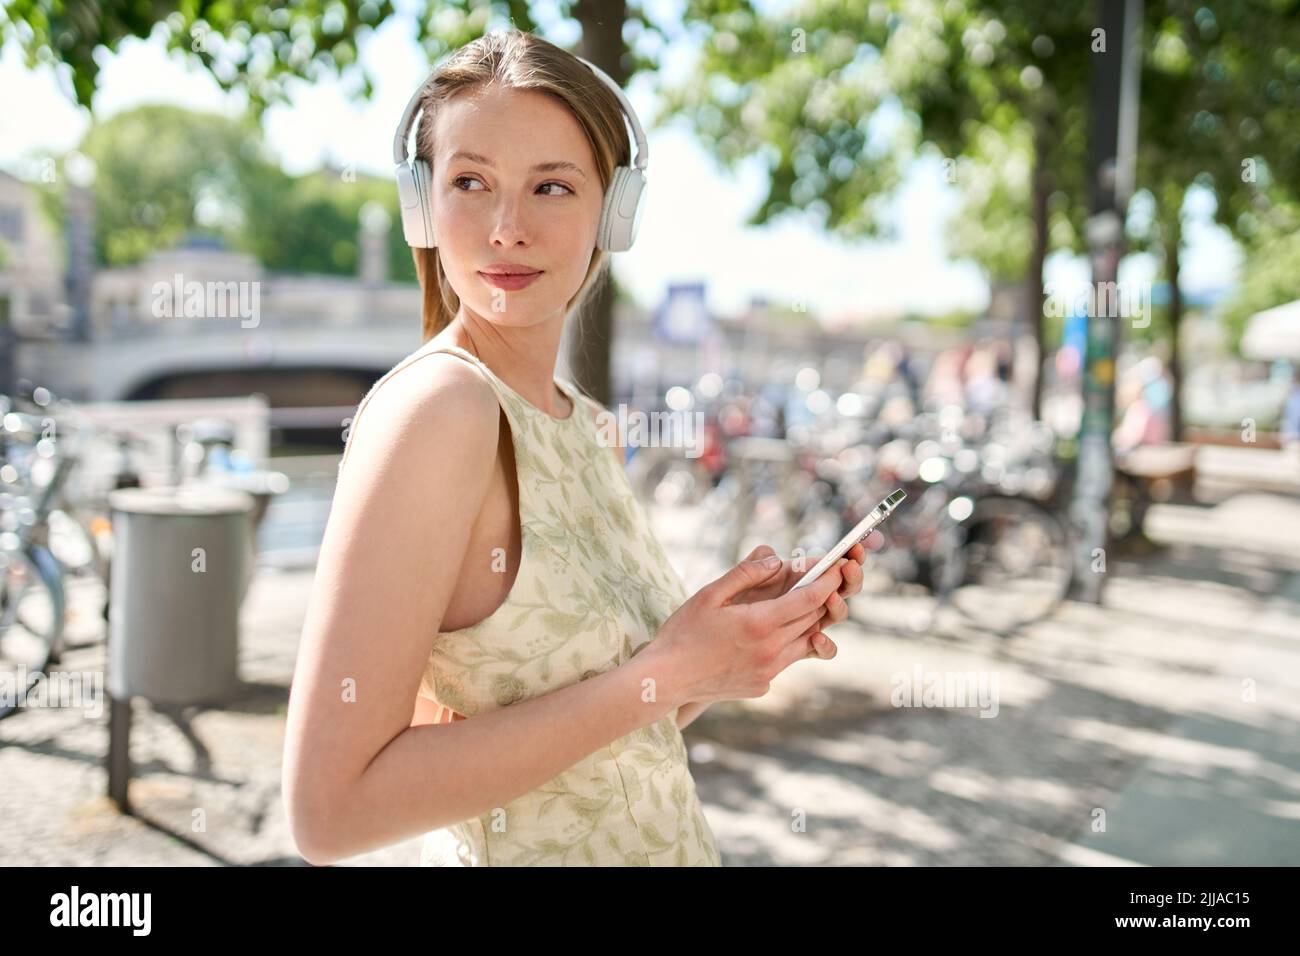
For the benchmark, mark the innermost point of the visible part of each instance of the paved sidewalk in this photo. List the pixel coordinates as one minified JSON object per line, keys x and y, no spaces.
{"x":1174,"y":708}
{"x":1222,"y":783}
{"x":1134,"y":708}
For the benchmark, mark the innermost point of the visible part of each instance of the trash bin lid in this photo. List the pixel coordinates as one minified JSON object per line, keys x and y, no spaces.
{"x":182,"y":500}
{"x":261,"y":482}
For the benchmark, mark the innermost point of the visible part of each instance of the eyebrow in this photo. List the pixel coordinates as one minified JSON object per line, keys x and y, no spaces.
{"x":553,"y":166}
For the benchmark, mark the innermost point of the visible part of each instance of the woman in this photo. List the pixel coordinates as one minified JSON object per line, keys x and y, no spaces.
{"x":497,"y":652}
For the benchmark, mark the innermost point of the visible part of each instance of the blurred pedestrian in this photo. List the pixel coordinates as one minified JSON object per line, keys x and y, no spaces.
{"x":1291,"y":418}
{"x":1145,"y":393}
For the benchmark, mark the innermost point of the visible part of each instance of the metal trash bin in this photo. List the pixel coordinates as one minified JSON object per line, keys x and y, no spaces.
{"x":174,"y":612}
{"x":263,"y":485}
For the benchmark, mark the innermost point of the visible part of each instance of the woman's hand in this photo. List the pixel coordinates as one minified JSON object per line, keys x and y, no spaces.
{"x":836,"y":608}
{"x":717,"y":647}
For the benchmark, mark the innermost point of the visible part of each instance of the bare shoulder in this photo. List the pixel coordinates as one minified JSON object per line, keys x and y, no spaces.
{"x":434,"y":403}
{"x":438,"y":381}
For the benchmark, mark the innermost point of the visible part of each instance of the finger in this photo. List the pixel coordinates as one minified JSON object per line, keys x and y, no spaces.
{"x":836,"y":609}
{"x":810,"y":632}
{"x":783,"y":575}
{"x":794,"y":631}
{"x":795,"y":651}
{"x":821,"y":646}
{"x":778,"y":578}
{"x":853,"y":578}
{"x":799,"y":601}
{"x":842,"y":566}
{"x":874,"y":541}
{"x":745,"y":575}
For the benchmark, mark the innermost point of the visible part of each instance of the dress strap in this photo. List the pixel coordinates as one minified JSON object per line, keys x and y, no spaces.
{"x":501,"y":388}
{"x":468,"y":356}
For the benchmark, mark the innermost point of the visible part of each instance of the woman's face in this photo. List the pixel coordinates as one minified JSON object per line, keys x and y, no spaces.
{"x":494,"y":206}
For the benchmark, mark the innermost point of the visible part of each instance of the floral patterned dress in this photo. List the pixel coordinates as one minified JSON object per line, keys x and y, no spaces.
{"x":593,"y":587}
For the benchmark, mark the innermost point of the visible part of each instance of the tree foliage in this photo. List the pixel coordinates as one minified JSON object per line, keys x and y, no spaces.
{"x":163,"y":172}
{"x":254,"y":47}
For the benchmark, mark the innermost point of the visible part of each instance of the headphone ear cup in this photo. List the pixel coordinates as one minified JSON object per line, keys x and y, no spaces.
{"x":424,"y":186}
{"x":414,"y":190}
{"x":620,"y":216}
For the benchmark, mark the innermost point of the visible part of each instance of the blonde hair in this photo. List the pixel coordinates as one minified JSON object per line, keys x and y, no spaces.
{"x":516,"y":60}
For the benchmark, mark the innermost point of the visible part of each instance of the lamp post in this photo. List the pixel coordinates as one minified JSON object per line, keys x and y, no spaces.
{"x":1116,"y":72}
{"x":80,"y":170}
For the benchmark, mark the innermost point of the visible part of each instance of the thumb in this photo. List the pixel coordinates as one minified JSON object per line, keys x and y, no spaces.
{"x":745,"y":575}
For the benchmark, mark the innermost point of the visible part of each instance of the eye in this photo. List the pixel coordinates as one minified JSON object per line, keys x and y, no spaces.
{"x":456,"y":184}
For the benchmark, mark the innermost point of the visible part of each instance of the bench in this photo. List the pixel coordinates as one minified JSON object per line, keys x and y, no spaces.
{"x":1161,"y":472}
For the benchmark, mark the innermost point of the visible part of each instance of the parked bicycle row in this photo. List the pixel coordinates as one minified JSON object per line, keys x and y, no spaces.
{"x":982,"y":530}
{"x":56,"y":532}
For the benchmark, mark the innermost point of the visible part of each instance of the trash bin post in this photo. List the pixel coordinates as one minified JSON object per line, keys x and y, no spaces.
{"x":119,"y":751}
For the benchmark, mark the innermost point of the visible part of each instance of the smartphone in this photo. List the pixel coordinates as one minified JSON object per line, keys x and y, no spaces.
{"x":878,"y":514}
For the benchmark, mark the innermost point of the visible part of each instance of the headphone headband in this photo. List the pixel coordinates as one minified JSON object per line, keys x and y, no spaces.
{"x":642,"y":148}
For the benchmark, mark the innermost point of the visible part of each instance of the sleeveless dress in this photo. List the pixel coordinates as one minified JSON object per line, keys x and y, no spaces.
{"x":592,"y":589}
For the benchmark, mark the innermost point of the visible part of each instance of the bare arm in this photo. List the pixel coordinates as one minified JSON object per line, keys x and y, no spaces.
{"x":356,"y":774}
{"x":434,"y":775}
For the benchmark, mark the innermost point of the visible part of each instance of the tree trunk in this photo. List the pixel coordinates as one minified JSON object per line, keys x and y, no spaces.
{"x":589,"y":348}
{"x":1173,"y":239}
{"x":1041,"y":187}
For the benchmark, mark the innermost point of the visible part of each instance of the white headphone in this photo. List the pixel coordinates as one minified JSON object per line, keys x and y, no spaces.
{"x":619,"y":218}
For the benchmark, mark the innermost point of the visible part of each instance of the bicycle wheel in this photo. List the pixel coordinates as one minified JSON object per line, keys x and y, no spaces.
{"x":1009,"y":565}
{"x":31,"y":622}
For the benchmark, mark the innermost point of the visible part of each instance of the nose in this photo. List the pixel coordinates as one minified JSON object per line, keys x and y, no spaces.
{"x":508,"y":229}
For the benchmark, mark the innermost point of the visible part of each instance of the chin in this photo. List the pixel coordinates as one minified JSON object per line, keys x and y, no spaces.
{"x":517,"y":314}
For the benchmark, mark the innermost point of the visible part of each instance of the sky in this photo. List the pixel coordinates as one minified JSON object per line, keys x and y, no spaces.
{"x":692,"y":228}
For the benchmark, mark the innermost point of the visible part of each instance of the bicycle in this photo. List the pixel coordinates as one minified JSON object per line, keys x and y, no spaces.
{"x":48,"y":538}
{"x":756,"y":500}
{"x":1001,"y":559}
{"x":33,"y":602}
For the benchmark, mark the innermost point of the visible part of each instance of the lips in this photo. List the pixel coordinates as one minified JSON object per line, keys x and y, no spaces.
{"x":510,"y":282}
